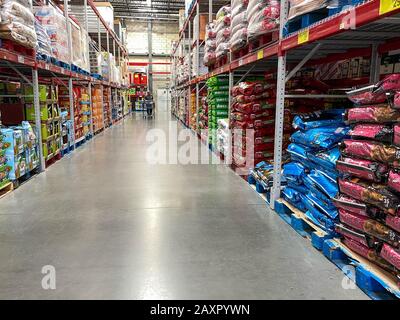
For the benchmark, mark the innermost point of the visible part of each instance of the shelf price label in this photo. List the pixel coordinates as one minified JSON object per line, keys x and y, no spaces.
{"x":303,"y":36}
{"x":386,"y":6}
{"x":21,"y":59}
{"x":260,"y":54}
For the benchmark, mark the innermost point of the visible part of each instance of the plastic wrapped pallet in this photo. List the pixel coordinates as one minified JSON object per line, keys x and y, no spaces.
{"x":223,"y":31}
{"x":263,"y":17}
{"x":239,"y":24}
{"x":54,"y":22}
{"x":299,"y":7}
{"x":17,"y":22}
{"x":43,"y":39}
{"x":210,"y":45}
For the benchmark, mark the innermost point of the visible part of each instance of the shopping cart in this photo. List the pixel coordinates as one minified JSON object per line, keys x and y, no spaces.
{"x":149,"y":109}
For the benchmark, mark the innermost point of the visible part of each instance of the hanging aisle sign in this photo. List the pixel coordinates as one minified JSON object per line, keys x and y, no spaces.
{"x":303,"y":36}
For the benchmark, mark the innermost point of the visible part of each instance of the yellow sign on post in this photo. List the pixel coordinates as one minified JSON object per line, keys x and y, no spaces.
{"x":260,"y":54}
{"x":303,"y":36}
{"x":386,"y":6}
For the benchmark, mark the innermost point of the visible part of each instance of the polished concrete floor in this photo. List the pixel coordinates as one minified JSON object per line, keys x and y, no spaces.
{"x":116,"y":227}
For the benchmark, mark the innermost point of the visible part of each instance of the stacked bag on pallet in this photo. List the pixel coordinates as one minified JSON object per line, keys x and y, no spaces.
{"x":238,"y":25}
{"x":218,"y":103}
{"x":54,"y":22}
{"x":19,"y":152}
{"x":222,"y":31}
{"x":4,"y":168}
{"x":43,"y":39}
{"x":311,"y":175}
{"x":17,"y":22}
{"x":210,"y":45}
{"x":369,"y":183}
{"x":263,"y":17}
{"x":203,"y":118}
{"x":223,"y":144}
{"x":252,"y":121}
{"x":300,"y":7}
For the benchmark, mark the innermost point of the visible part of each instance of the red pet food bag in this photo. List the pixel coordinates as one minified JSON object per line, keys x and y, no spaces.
{"x":391,"y":255}
{"x":378,"y":132}
{"x":365,"y":169}
{"x":394,"y":180}
{"x":370,"y":227}
{"x":374,"y":194}
{"x":370,"y":150}
{"x":347,"y":203}
{"x":374,"y":114}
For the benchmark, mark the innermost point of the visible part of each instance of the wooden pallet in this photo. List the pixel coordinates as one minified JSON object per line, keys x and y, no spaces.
{"x":17,"y":48}
{"x":6,"y":189}
{"x":373,"y":280}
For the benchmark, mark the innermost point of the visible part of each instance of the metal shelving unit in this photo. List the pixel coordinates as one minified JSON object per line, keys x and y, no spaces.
{"x":368,"y":29}
{"x":29,"y":70}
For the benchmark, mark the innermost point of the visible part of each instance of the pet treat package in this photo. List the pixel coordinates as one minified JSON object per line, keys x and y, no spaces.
{"x":370,"y":150}
{"x":377,"y":132}
{"x":373,"y":114}
{"x":360,"y":168}
{"x":374,"y":194}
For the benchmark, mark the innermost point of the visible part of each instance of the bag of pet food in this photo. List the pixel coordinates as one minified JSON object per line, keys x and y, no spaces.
{"x":370,"y":227}
{"x":378,"y":132}
{"x":293,"y":197}
{"x":369,"y":150}
{"x":392,"y":222}
{"x":394,"y":180}
{"x":357,"y":236}
{"x":316,"y":119}
{"x":396,"y":134}
{"x":298,"y":153}
{"x":326,"y":159}
{"x":369,"y":254}
{"x":391,"y":255}
{"x":377,"y":114}
{"x":390,"y":83}
{"x":294,"y":172}
{"x":364,"y":169}
{"x":375,"y":194}
{"x":321,"y":138}
{"x":315,"y":216}
{"x":366,"y":95}
{"x":396,"y":100}
{"x":324,"y":184}
{"x":347,"y":203}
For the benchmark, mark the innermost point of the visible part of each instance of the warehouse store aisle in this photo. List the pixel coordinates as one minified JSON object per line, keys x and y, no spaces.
{"x":115,"y":227}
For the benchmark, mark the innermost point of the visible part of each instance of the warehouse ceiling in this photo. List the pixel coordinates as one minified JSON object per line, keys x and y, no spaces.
{"x":145,"y":9}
